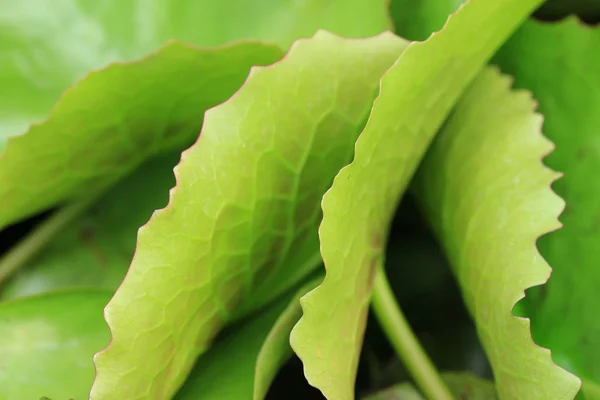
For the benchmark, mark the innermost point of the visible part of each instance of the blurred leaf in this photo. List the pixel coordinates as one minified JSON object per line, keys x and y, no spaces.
{"x":589,"y":390}
{"x":464,"y":386}
{"x":116,"y":118}
{"x":417,"y":19}
{"x":47,"y":47}
{"x":488,"y":207}
{"x":560,"y":63}
{"x":402,"y":391}
{"x":244,"y":213}
{"x":47,"y":343}
{"x":95,"y":250}
{"x":416,"y":95}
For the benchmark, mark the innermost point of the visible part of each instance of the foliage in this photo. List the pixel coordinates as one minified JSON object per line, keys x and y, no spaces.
{"x":233,"y":186}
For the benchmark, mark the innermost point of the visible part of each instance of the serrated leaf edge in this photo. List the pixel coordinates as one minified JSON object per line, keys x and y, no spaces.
{"x":186,"y":153}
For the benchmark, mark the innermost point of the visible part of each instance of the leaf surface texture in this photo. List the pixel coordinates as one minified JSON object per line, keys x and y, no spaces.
{"x":116,"y":118}
{"x":560,"y":64}
{"x":244,"y":363}
{"x":246,"y":205}
{"x":487,"y":195}
{"x":416,"y":95}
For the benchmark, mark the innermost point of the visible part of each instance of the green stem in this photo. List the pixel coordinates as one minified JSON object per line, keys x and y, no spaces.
{"x":36,"y":240}
{"x":405,"y":343}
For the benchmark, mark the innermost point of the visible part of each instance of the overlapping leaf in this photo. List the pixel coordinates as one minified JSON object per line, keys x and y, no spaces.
{"x":416,"y":95}
{"x":227,"y":370}
{"x":95,"y":250}
{"x":485,"y":191}
{"x":416,"y":20}
{"x":245,"y":206}
{"x":241,"y":223}
{"x":276,"y":349}
{"x":147,"y":106}
{"x":115,"y":118}
{"x":561,"y":65}
{"x":46,"y":47}
{"x":47,"y":343}
{"x":243,"y":365}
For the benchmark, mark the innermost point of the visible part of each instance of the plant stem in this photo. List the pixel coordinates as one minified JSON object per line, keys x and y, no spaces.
{"x":403,"y":340}
{"x":36,"y":240}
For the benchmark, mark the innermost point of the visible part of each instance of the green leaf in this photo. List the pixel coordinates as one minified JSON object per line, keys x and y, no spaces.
{"x":113,"y":120}
{"x":561,"y":65}
{"x":487,"y":194}
{"x":470,"y":387}
{"x":226,"y":371}
{"x":95,"y":250}
{"x":48,"y":47}
{"x":243,"y":364}
{"x":47,"y":343}
{"x":416,"y":20}
{"x":416,"y":95}
{"x":464,"y":386}
{"x":245,"y":210}
{"x":402,"y":391}
{"x":590,"y":390}
{"x":276,"y":349}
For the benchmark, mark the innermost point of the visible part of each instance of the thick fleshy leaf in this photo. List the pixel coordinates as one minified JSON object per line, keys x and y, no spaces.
{"x":243,"y":364}
{"x":464,"y":386}
{"x":114,"y":119}
{"x":47,"y":343}
{"x":95,"y":250}
{"x":47,"y":47}
{"x":560,"y":63}
{"x":416,"y":20}
{"x":244,"y":211}
{"x":416,"y":95}
{"x":487,"y":194}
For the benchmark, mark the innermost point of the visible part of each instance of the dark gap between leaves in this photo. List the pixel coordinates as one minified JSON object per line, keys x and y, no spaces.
{"x":588,"y":11}
{"x":15,"y":233}
{"x":429,"y":296}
